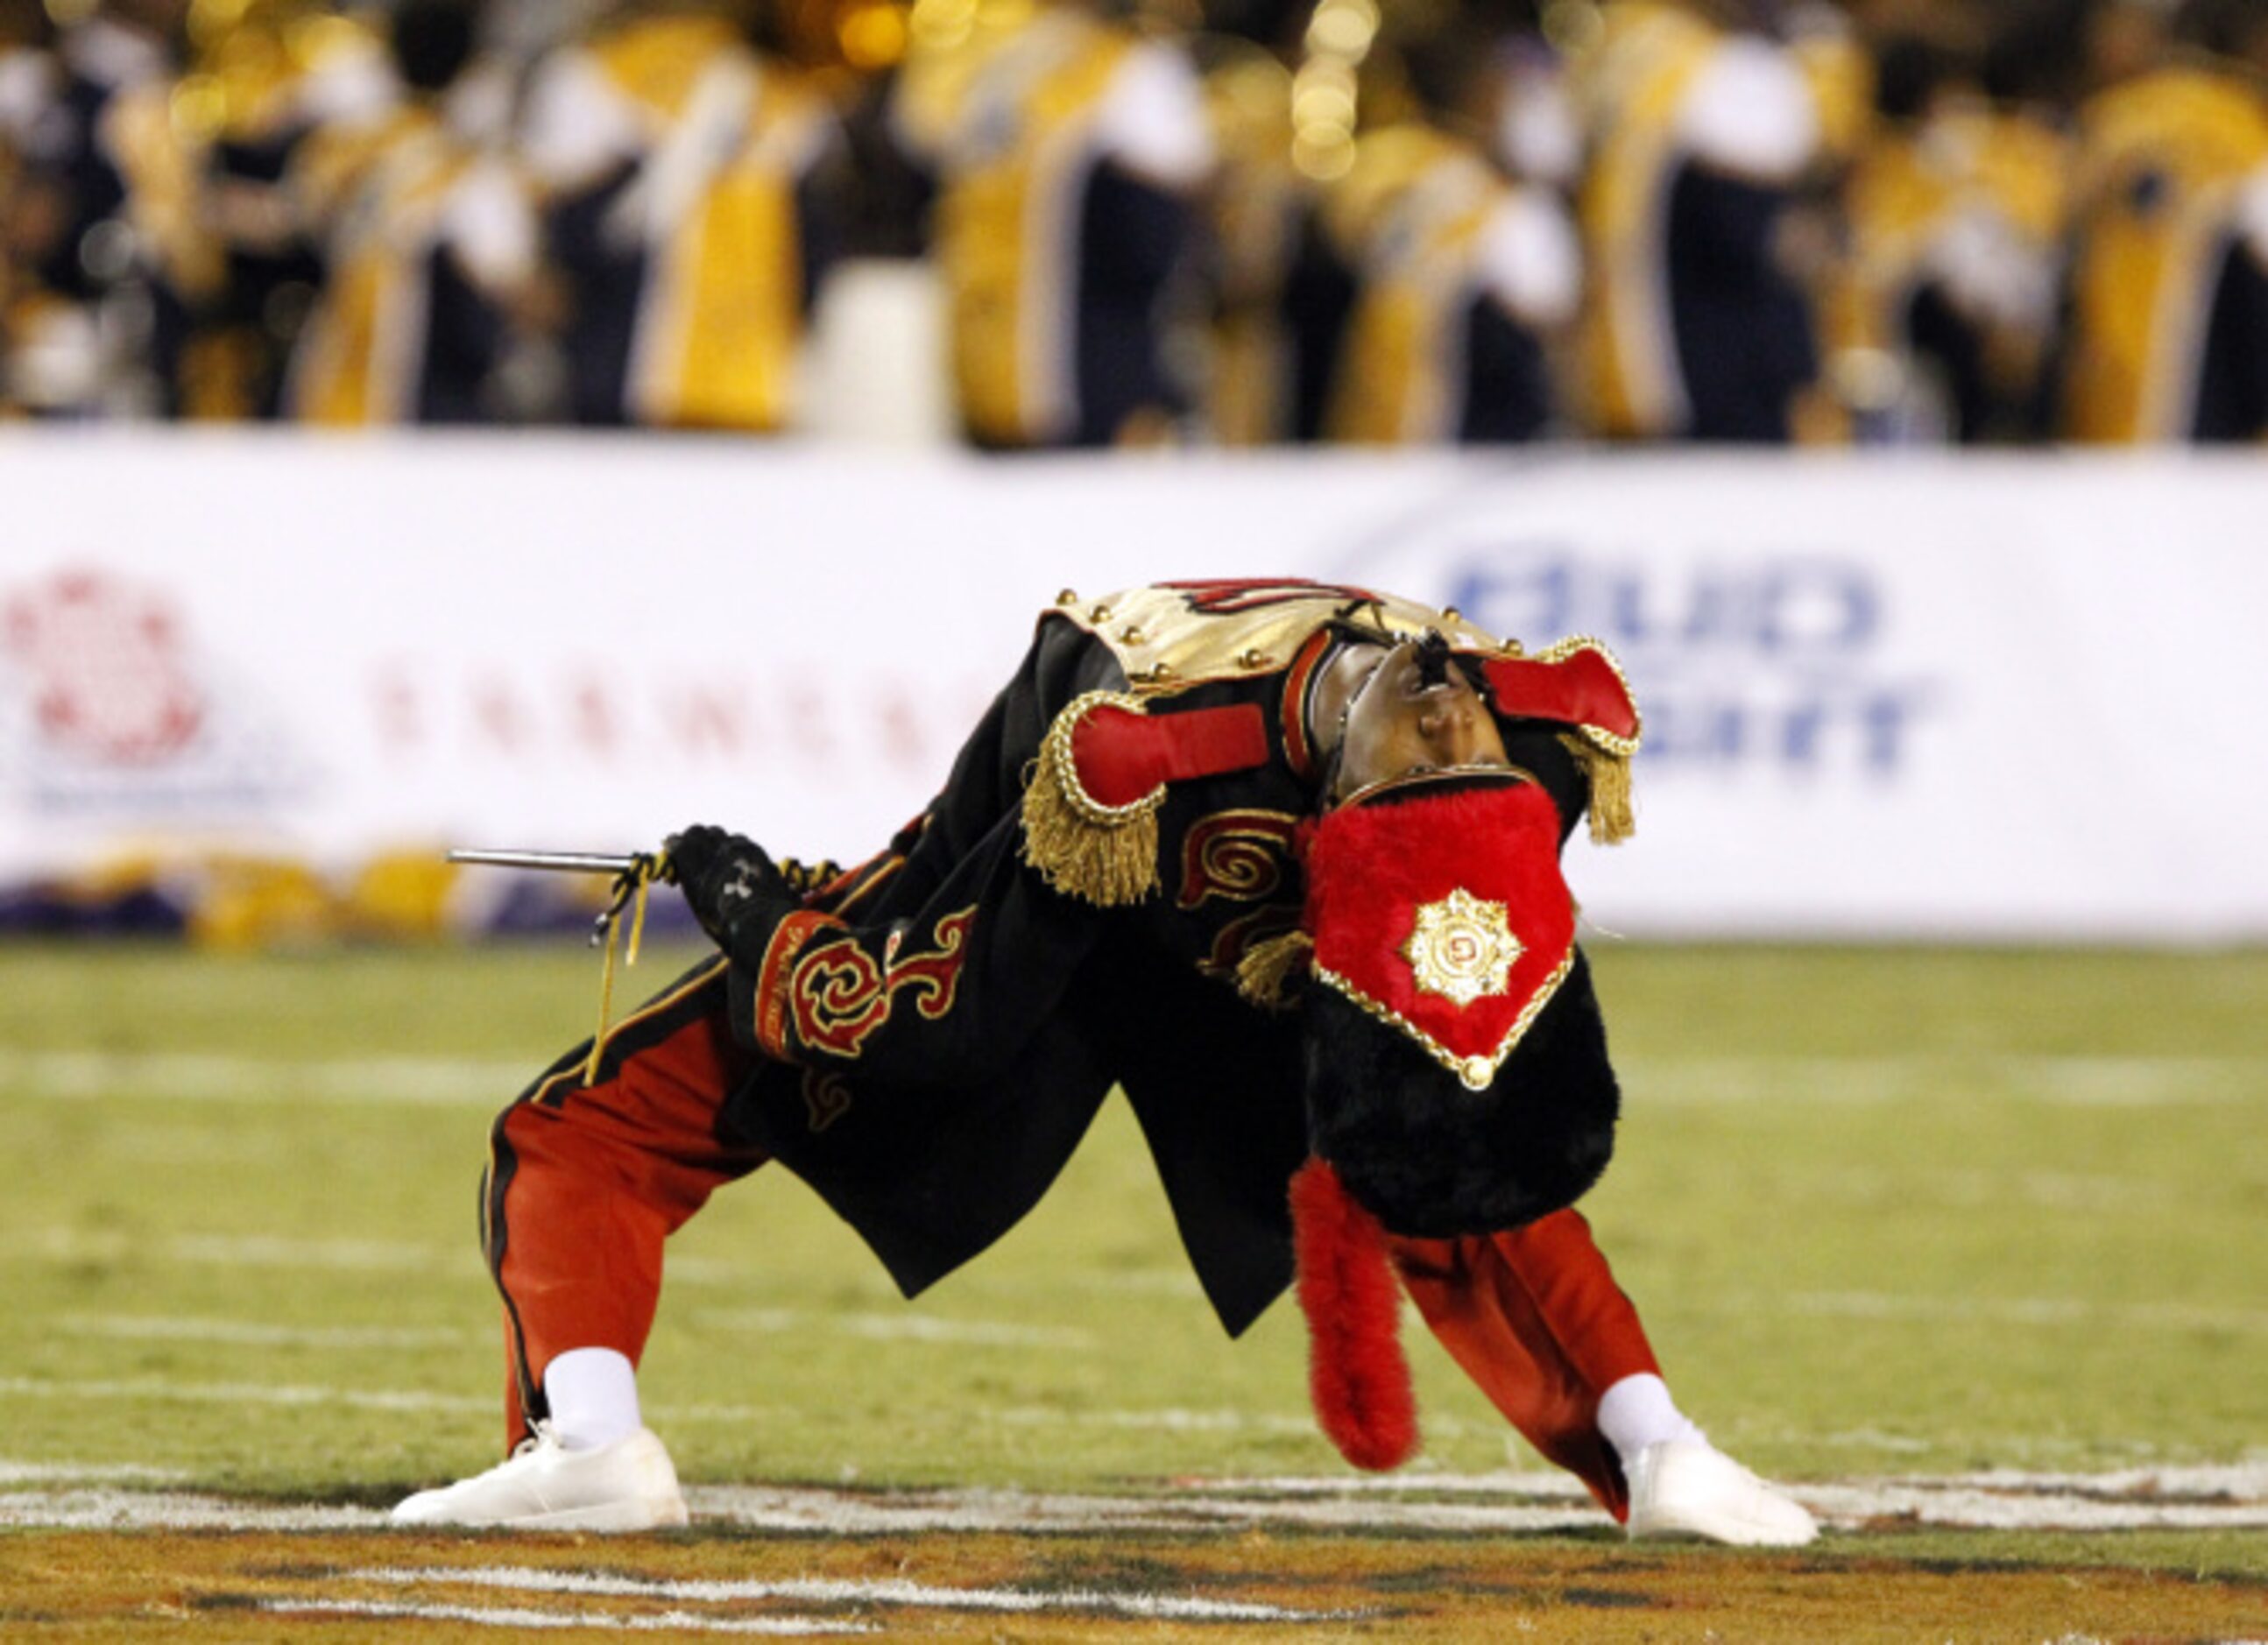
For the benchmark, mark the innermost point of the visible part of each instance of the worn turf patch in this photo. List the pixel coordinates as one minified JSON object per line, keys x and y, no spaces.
{"x":264,"y":1587}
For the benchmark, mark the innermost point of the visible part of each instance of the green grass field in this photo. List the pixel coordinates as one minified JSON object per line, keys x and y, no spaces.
{"x":1885,"y":1211}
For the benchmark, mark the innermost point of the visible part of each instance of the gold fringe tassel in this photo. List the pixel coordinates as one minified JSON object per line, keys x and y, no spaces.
{"x":1608,"y":774}
{"x":1106,"y":854}
{"x":1264,"y":976}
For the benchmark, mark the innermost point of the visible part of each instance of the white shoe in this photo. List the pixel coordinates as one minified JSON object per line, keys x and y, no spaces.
{"x":627,"y":1485}
{"x":1687,"y":1487}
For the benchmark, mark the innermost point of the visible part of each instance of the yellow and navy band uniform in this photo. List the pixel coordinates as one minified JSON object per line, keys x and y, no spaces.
{"x":2162,"y":340}
{"x":1057,"y":236}
{"x":1428,"y":347}
{"x":1693,"y":328}
{"x":1955,"y":212}
{"x":693,"y":253}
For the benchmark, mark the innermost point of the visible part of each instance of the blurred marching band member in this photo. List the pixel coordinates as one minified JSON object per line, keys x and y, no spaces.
{"x":431,"y":242}
{"x":30,"y":78}
{"x":1461,"y":282}
{"x":280,"y":75}
{"x":1254,"y":206}
{"x":2167,"y":329}
{"x":1954,"y":212}
{"x":1066,"y":158}
{"x":1702,"y":130}
{"x":1536,"y":126}
{"x":689,"y":180}
{"x":104,"y":223}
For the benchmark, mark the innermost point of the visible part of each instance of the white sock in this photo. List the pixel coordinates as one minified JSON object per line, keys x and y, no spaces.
{"x":592,"y":1393}
{"x":1638,"y":1412}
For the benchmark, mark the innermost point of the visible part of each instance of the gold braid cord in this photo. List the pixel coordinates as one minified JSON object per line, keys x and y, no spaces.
{"x":1264,"y":975}
{"x":630,"y":889}
{"x":1105,"y":855}
{"x":803,"y":878}
{"x":1608,"y":774}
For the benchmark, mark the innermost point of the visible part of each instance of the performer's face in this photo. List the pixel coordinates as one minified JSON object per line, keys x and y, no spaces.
{"x":1399,"y":724}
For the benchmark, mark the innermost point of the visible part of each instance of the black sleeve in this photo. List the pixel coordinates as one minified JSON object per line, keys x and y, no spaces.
{"x":946,"y":994}
{"x":934,"y":962}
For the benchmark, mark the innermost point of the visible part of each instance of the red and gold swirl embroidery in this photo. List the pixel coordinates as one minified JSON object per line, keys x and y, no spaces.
{"x":839,"y":995}
{"x":772,"y":977}
{"x":1238,"y":856}
{"x":1234,"y":596}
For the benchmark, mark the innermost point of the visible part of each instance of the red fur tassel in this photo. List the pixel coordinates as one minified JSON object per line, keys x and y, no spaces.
{"x":1356,"y":1371}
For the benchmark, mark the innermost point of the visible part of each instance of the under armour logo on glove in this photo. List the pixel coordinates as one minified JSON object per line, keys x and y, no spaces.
{"x":732,"y":885}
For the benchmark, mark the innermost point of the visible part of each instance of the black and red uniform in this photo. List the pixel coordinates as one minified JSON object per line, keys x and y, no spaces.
{"x":925,"y":1039}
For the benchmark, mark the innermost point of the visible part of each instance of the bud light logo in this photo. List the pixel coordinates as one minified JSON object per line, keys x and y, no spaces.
{"x":1747,"y":661}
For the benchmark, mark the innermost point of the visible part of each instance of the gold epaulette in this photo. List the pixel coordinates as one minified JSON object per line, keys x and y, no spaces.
{"x":1102,"y":853}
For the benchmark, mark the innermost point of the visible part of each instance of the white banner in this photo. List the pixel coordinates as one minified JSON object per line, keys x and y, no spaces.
{"x":1911,"y":697}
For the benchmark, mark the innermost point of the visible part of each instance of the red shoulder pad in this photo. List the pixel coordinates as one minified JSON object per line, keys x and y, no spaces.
{"x":1123,"y":755}
{"x":1576,"y":682}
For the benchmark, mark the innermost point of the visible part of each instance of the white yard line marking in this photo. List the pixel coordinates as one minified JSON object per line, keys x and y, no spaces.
{"x":852,"y":1514}
{"x":271,"y":1251}
{"x":525,"y":1617}
{"x":106,"y":1509}
{"x":163,"y":1389}
{"x":234,"y":1250}
{"x":190,"y":1076}
{"x":1502,"y":1483}
{"x":2223,"y":1496}
{"x":1166,"y":1420}
{"x":904,"y":1326}
{"x":2096,"y":1081}
{"x":2017,"y":1311}
{"x":2054,"y":1191}
{"x":85,"y":1472}
{"x":493,"y":1082}
{"x":172,"y":1328}
{"x":815,"y":1591}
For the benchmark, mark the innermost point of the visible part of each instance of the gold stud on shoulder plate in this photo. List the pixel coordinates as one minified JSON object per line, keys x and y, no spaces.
{"x":1101,"y":614}
{"x":1069,"y":597}
{"x":1450,"y":613}
{"x":1131,"y":634}
{"x":1254,"y":658}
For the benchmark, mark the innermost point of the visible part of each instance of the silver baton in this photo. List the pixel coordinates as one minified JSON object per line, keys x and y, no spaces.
{"x":558,"y":862}
{"x":624,"y":868}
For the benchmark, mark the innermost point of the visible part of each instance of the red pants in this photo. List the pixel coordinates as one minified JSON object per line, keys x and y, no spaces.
{"x":1537,"y":1320}
{"x":585,"y":1183}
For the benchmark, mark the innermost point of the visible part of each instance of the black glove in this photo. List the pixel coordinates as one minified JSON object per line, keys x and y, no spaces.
{"x":733,"y":888}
